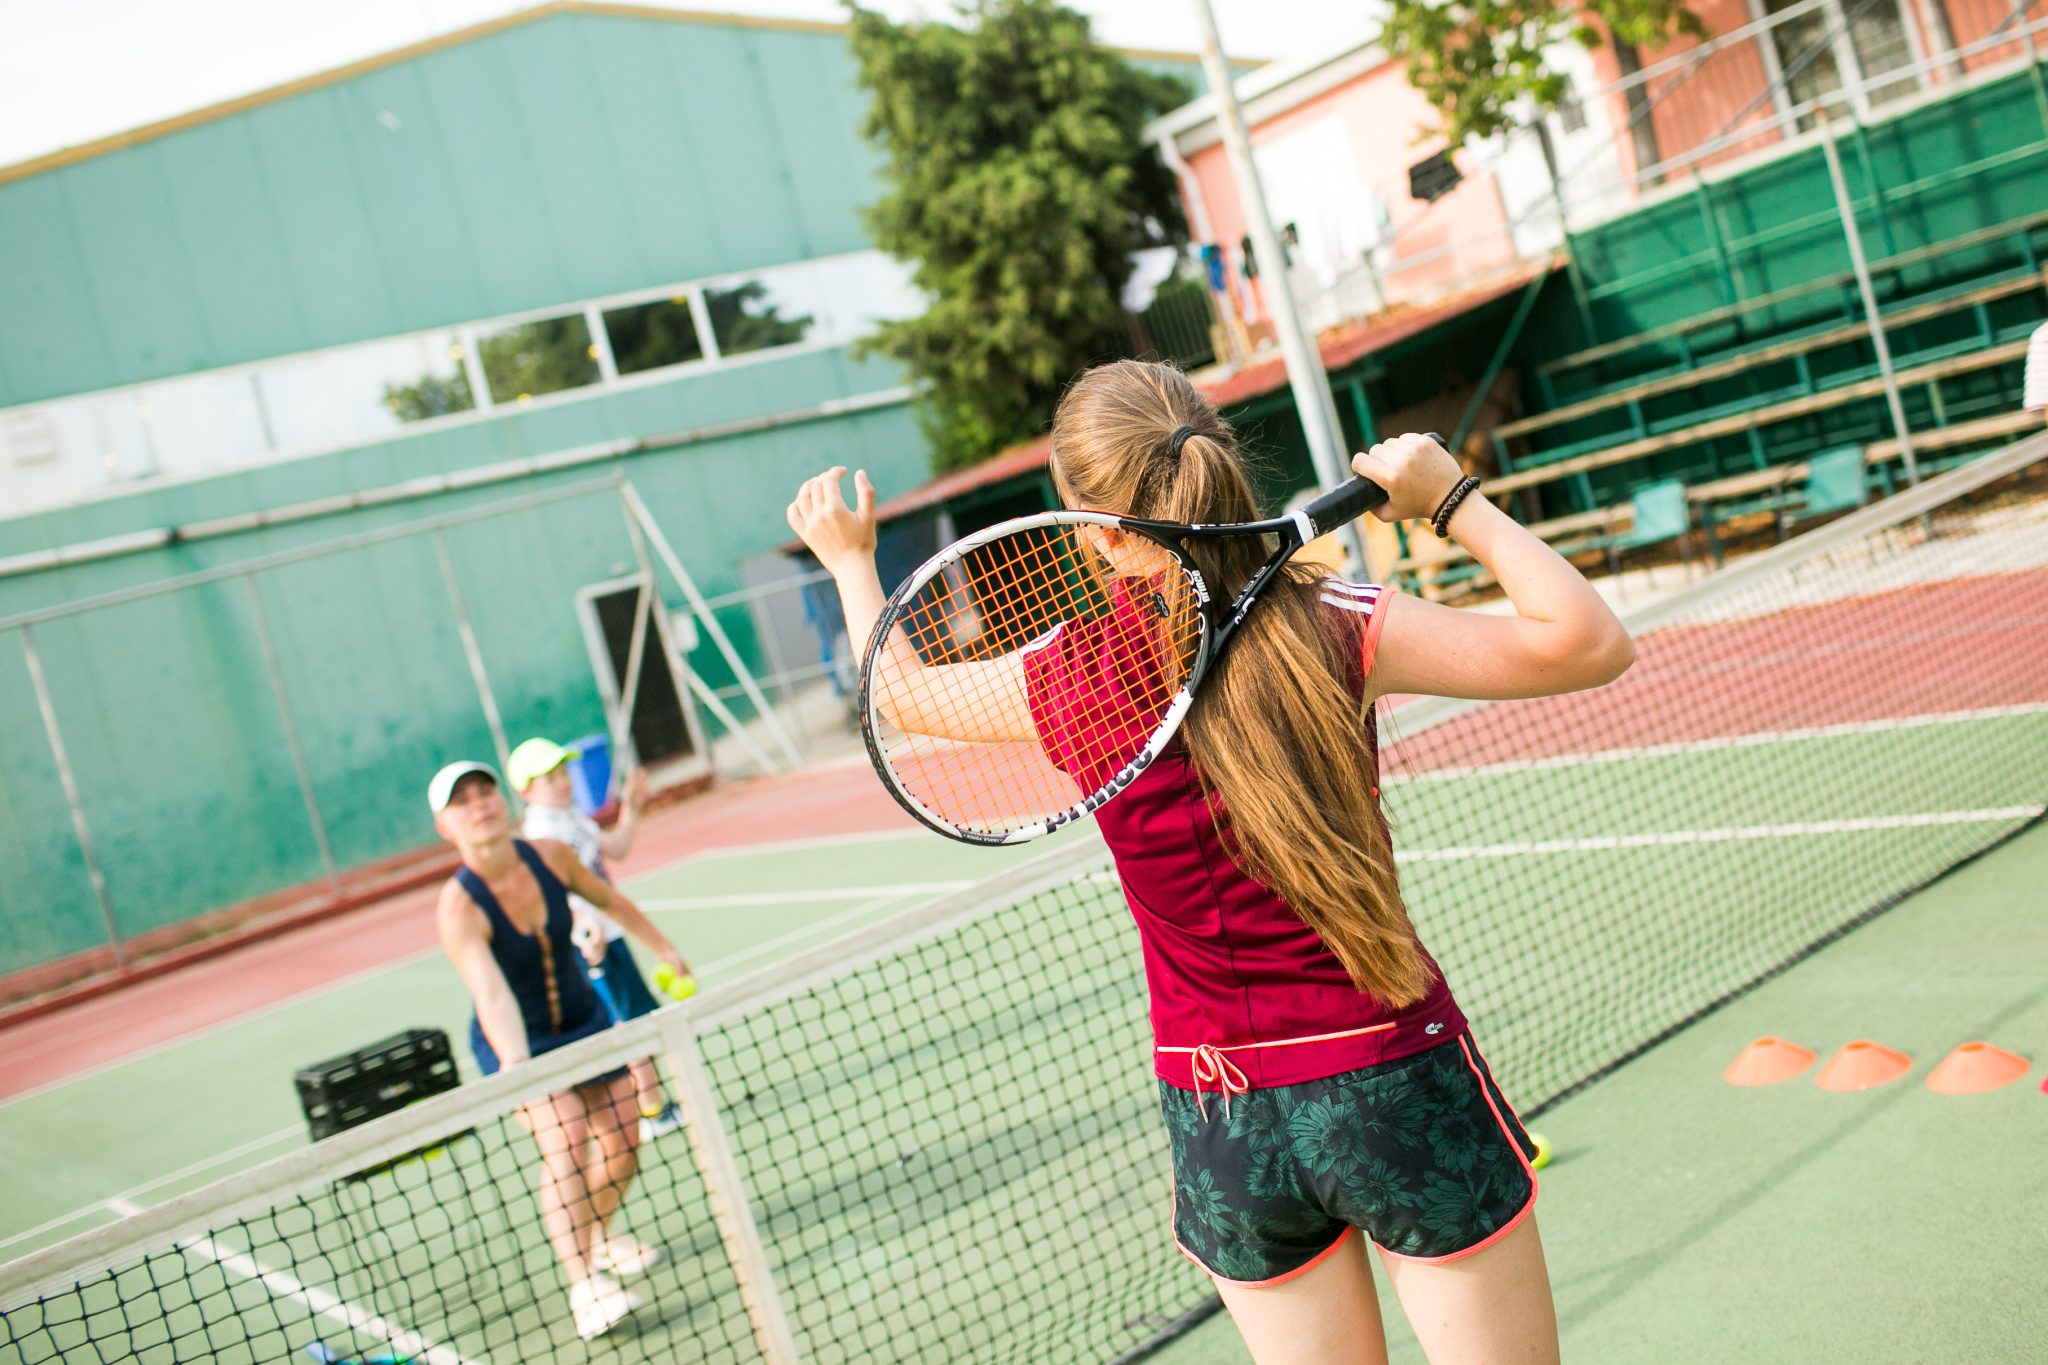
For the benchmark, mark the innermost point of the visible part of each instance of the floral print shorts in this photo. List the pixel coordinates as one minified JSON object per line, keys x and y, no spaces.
{"x":1422,"y":1153}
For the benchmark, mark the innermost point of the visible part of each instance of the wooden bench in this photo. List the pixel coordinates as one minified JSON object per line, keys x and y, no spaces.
{"x":2016,"y":227}
{"x":1766,"y":489}
{"x":1455,"y":566}
{"x":1604,"y":522}
{"x":1789,"y":349}
{"x":1931,"y":373}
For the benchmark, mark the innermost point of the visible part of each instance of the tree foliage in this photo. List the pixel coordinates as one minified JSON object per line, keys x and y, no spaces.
{"x":1476,"y":59}
{"x":1018,"y":185}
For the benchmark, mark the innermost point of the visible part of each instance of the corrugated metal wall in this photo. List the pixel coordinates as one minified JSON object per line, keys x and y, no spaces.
{"x":575,"y":156}
{"x":167,"y":711}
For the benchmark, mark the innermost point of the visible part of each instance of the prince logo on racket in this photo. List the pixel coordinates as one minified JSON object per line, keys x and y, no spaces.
{"x":1316,"y":1077}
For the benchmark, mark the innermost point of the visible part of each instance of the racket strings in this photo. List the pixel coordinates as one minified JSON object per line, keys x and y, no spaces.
{"x":1039,"y":665}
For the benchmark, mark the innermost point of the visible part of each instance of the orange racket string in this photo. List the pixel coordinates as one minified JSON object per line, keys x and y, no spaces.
{"x":986,"y":607}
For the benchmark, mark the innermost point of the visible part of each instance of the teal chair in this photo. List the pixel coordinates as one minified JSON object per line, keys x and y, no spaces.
{"x":1662,"y":514}
{"x":1836,"y":481}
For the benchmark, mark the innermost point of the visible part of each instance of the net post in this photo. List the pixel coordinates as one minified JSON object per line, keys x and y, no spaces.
{"x":725,"y":1190}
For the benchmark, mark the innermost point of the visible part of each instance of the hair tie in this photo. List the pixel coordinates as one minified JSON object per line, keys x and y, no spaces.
{"x":1180,"y":438}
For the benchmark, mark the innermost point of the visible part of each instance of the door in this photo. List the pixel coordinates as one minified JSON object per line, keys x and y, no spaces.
{"x":663,"y":734}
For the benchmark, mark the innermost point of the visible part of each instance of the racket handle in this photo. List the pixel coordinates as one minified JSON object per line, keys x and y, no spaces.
{"x":1349,"y":501}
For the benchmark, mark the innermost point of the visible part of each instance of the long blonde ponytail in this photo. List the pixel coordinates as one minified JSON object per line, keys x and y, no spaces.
{"x":1276,"y":733}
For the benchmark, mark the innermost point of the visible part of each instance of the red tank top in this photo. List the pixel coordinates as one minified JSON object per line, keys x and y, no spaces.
{"x":1229,"y":964}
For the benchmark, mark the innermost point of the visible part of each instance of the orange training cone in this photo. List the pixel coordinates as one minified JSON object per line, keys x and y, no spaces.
{"x":1768,"y":1061}
{"x":1861,"y":1065}
{"x":1975,"y":1068}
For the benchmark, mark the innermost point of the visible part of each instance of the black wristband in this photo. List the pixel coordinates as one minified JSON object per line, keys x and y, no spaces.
{"x":1440,"y":520}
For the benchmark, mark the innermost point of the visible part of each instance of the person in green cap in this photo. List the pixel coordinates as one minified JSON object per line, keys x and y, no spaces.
{"x":539,"y":771}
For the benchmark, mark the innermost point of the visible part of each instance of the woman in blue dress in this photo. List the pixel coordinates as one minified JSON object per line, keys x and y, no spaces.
{"x":505,"y":922}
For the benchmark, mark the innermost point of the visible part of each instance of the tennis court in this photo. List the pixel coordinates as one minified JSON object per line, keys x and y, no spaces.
{"x":927,"y":1063}
{"x":224,"y":1100}
{"x":1687,"y":1219}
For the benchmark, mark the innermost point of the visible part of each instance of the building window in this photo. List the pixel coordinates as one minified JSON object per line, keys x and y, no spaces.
{"x":647,"y":336}
{"x":523,"y":362}
{"x":750,"y":317}
{"x":441,"y":390}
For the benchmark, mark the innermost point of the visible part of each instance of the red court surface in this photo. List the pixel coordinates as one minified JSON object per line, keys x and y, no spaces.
{"x":149,"y":1013}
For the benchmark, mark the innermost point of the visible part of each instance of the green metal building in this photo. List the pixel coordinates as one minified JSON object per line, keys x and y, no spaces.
{"x":582,"y":242}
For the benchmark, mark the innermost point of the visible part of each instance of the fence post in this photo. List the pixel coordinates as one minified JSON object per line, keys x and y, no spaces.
{"x":291,"y":730}
{"x":1870,"y":310}
{"x":472,"y":653}
{"x":638,"y":508}
{"x":71,"y":798}
{"x":725,"y":1190}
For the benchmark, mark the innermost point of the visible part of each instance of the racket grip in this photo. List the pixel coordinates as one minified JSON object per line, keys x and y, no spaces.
{"x":1349,"y":501}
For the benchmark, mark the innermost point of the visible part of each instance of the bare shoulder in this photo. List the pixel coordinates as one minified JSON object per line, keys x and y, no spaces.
{"x":456,"y":913}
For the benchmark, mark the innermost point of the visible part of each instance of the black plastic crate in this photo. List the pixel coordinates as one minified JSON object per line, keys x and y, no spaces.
{"x":373,"y":1081}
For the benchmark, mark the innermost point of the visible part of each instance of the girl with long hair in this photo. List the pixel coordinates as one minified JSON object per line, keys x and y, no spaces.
{"x":1316,"y":1077}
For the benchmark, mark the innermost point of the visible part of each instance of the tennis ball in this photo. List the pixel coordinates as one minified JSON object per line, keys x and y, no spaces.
{"x":1542,"y":1158}
{"x":675,"y":985}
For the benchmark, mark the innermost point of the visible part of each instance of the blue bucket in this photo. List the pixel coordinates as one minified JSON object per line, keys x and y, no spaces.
{"x":590,"y":772}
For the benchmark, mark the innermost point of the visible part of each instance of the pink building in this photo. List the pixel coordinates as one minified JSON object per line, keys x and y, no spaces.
{"x":1345,"y":153}
{"x":1345,"y":149}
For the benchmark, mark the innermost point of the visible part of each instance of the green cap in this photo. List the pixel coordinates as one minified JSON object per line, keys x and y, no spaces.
{"x":535,"y":758}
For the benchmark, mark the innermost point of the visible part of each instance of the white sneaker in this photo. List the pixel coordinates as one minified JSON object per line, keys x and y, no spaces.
{"x":599,"y":1305}
{"x":667,"y":1121}
{"x":620,"y":1254}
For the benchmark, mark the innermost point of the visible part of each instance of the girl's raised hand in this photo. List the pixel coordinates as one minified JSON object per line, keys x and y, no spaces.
{"x":835,"y":533}
{"x":1415,"y":471}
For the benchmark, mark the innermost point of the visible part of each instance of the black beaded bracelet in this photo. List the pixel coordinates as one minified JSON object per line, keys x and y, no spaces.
{"x":1440,"y":520}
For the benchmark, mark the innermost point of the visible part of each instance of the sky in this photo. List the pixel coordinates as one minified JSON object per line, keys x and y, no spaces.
{"x":75,"y":70}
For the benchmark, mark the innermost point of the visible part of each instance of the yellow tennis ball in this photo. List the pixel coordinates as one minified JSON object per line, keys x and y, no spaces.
{"x":675,"y":985}
{"x":1542,"y":1157}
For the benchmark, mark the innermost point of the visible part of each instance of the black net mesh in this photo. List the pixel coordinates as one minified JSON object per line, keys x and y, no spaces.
{"x":950,"y":1145}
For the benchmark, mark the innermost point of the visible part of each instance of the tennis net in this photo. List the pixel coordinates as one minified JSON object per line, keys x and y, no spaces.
{"x":937,"y":1139}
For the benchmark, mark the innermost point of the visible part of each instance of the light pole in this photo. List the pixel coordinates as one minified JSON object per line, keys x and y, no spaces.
{"x":1312,"y":400}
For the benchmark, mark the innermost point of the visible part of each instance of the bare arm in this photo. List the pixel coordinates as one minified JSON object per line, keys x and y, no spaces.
{"x":617,"y":841}
{"x":905,"y":690}
{"x":465,"y":937}
{"x":562,"y":861}
{"x":1563,"y":637}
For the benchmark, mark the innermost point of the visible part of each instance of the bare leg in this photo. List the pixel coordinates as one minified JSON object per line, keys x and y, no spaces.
{"x":1328,"y":1315}
{"x":559,"y":1125}
{"x":612,"y":1157}
{"x":1492,"y":1306}
{"x":647,"y":1084}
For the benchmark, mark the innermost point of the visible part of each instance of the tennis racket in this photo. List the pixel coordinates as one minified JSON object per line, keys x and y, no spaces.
{"x":1028,"y":673}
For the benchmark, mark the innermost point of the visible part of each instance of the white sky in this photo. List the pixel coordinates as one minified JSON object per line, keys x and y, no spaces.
{"x":75,"y":70}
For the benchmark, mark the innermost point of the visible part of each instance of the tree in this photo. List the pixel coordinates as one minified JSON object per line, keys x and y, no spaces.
{"x":1018,"y":186}
{"x":431,"y":396}
{"x":743,"y":319}
{"x":1475,"y":59}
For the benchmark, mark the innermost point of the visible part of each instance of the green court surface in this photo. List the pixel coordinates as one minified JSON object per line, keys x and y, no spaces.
{"x":957,"y":1143}
{"x":1686,"y":1219}
{"x":159,"y":1124}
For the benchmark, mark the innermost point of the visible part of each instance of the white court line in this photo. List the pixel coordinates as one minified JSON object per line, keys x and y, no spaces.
{"x":396,"y":964}
{"x":849,"y":893}
{"x":1761,"y":737}
{"x":110,"y":1203}
{"x":320,"y":1301}
{"x":119,"y":1203}
{"x":1721,"y":836}
{"x":796,"y":935}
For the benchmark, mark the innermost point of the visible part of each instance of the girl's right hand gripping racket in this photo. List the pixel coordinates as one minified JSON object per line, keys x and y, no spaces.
{"x":1025,"y":675}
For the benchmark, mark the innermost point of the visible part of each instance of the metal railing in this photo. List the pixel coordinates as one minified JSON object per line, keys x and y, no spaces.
{"x":1736,"y":98}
